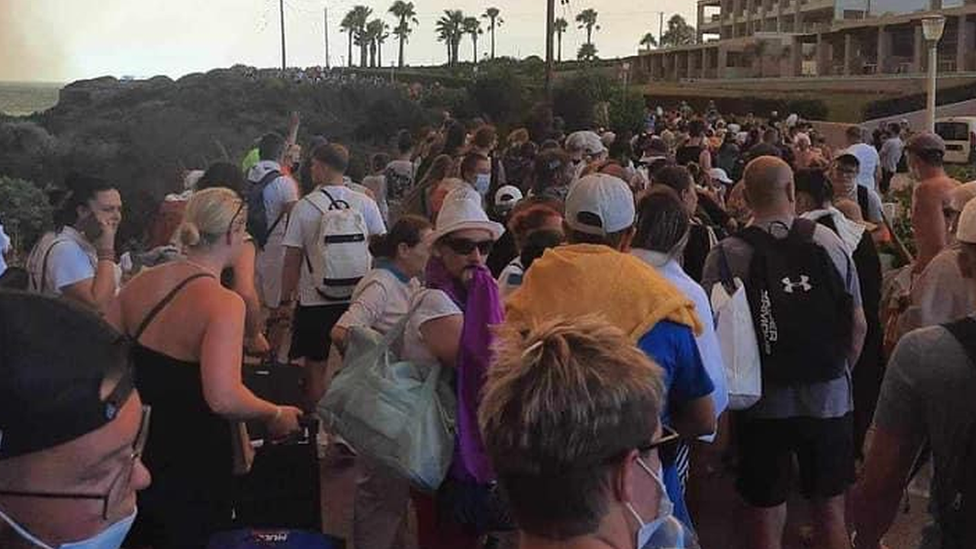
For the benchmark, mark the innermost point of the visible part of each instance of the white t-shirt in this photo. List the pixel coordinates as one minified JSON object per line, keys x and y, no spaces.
{"x":304,"y":225}
{"x":72,"y":259}
{"x":377,"y":184}
{"x":708,"y":345}
{"x":278,"y":194}
{"x":869,"y":160}
{"x":4,"y":246}
{"x":271,"y":259}
{"x":434,"y":304}
{"x":380,"y":300}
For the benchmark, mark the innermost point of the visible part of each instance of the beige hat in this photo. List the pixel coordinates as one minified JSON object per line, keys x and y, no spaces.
{"x":586,"y":141}
{"x":462,"y":211}
{"x":961,"y":195}
{"x":967,"y":224}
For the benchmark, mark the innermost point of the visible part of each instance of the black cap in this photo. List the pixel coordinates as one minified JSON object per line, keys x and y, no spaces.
{"x":55,"y":358}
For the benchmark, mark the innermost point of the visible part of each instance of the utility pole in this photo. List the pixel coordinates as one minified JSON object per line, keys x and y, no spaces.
{"x":660,"y":28}
{"x":281,"y":7}
{"x":327,"y":62}
{"x":550,"y":23}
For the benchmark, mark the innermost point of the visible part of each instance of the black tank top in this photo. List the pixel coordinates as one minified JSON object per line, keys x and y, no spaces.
{"x":188,"y":450}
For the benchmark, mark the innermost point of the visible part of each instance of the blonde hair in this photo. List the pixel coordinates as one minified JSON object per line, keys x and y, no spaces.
{"x":208,"y":216}
{"x":563,"y":402}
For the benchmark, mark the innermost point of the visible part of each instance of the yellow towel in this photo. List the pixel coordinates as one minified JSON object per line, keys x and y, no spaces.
{"x":586,"y":279}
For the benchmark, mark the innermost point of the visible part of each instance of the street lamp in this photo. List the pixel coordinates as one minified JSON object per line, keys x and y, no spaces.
{"x":932,"y":27}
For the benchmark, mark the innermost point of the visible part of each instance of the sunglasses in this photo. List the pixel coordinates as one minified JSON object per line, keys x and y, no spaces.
{"x":463,"y":246}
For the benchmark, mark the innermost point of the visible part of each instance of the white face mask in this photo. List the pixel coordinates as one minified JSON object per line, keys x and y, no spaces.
{"x":664,"y":510}
{"x":110,"y":538}
{"x":482,"y":183}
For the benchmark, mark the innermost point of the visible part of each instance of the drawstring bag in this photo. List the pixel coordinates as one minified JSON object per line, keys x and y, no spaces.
{"x":398,"y":413}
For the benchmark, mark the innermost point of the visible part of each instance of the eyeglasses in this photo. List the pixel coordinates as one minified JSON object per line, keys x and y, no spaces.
{"x":666,"y":445}
{"x":120,"y":484}
{"x":463,"y":246}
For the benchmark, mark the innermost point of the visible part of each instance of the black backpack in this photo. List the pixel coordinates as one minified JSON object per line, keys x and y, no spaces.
{"x":800,"y":306}
{"x":257,"y":216}
{"x":957,"y":512}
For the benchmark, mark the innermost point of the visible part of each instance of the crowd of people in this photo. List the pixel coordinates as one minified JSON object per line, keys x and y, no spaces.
{"x":565,"y":283}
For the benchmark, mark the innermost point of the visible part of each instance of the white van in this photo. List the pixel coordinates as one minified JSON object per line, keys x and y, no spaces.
{"x":959,"y":134}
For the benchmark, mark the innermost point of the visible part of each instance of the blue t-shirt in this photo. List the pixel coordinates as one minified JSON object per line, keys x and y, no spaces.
{"x":673,"y":348}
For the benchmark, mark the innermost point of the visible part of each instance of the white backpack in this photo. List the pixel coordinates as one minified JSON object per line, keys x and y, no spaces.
{"x":340,"y":258}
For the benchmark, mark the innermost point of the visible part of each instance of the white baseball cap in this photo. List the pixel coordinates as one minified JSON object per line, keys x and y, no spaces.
{"x":462,"y":210}
{"x":967,"y":224}
{"x":719,"y":174}
{"x":507,"y":197}
{"x":600,"y":204}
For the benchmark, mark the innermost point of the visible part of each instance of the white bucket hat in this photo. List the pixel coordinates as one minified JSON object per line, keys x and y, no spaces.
{"x":462,"y":211}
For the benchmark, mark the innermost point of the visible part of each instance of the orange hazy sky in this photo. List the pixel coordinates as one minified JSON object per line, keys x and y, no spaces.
{"x":65,"y":40}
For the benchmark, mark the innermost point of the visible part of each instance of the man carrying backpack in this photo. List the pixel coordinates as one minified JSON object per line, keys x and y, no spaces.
{"x":806,"y":304}
{"x":927,"y":399}
{"x":326,"y":254}
{"x":270,"y":197}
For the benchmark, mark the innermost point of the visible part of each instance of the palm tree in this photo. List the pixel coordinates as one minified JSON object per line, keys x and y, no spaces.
{"x":381,"y":37}
{"x":405,"y":12}
{"x":648,"y":41}
{"x":444,"y":35}
{"x":472,"y":26}
{"x":449,"y":31}
{"x":348,"y":26}
{"x":560,"y":26}
{"x":587,"y":52}
{"x":360,"y":18}
{"x":494,"y":21}
{"x":376,"y":34}
{"x":587,"y":20}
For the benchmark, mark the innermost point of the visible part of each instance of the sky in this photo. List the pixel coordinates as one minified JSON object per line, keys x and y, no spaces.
{"x":67,"y":40}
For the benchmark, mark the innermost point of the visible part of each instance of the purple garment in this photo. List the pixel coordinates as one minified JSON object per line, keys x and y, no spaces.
{"x":482,"y":309}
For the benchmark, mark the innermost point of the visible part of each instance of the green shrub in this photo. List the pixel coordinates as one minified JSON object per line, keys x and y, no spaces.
{"x":24,"y":212}
{"x":962,"y":172}
{"x":627,"y":112}
{"x":499,"y":95}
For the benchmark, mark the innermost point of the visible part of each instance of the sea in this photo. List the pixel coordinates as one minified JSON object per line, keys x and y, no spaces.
{"x":24,"y":98}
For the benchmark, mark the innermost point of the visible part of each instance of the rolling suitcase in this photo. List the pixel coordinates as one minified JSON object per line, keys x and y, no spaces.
{"x":274,"y":539}
{"x":283,"y":488}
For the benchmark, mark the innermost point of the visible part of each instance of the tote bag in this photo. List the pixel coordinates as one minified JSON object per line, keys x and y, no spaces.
{"x":737,"y":340}
{"x":399,"y":413}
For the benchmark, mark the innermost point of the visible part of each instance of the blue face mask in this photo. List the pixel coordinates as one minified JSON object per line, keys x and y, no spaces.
{"x":110,"y":538}
{"x":482,"y":183}
{"x":665,"y":509}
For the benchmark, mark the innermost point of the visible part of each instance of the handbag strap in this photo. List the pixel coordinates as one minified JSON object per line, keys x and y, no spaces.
{"x":397,"y":330}
{"x":47,"y":256}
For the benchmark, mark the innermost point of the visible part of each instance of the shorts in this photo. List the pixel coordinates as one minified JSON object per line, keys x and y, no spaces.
{"x":824,"y":450}
{"x":310,"y":330}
